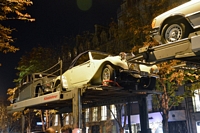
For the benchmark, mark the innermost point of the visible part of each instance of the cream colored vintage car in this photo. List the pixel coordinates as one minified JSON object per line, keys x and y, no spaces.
{"x":177,"y":23}
{"x":94,"y":68}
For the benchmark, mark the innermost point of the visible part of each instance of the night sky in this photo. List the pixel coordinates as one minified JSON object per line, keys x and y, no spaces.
{"x":54,"y":20}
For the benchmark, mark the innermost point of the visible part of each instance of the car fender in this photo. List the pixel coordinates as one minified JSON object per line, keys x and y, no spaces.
{"x":57,"y":81}
{"x":96,"y":78}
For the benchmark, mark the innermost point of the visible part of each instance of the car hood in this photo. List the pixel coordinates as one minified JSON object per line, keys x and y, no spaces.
{"x":181,"y":10}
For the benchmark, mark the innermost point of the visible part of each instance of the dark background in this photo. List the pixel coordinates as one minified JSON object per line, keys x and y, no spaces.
{"x":55,"y":19}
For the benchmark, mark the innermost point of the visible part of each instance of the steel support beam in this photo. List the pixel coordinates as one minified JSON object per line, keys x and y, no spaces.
{"x":77,"y":109}
{"x":23,"y":122}
{"x":144,"y":119}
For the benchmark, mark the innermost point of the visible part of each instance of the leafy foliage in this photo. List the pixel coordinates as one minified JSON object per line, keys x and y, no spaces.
{"x":39,"y":59}
{"x":3,"y":118}
{"x":10,"y":93}
{"x":48,"y":114}
{"x":169,"y":83}
{"x":11,"y":9}
{"x":8,"y":122}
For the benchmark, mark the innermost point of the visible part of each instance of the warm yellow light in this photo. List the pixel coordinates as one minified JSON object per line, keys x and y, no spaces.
{"x":153,"y":23}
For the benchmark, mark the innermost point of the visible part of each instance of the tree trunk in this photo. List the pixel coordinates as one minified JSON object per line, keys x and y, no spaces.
{"x":165,"y":123}
{"x":28,"y":129}
{"x":42,"y":119}
{"x":119,"y":108}
{"x":47,"y":119}
{"x":121,"y":130}
{"x":165,"y":108}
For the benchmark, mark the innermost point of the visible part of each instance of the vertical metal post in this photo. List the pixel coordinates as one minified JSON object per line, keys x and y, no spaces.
{"x":61,"y":120}
{"x":144,"y":119}
{"x":77,"y":109}
{"x":61,"y":83}
{"x":23,"y":122}
{"x":84,"y":123}
{"x":129,"y":115}
{"x":188,"y":116}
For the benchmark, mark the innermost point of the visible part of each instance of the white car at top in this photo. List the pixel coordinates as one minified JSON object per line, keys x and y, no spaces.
{"x":177,"y":23}
{"x":94,"y":68}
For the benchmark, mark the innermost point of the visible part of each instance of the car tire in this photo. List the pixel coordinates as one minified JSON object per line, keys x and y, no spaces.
{"x":38,"y":91}
{"x":58,"y":88}
{"x":173,"y":32}
{"x":147,"y":83}
{"x":107,"y":75}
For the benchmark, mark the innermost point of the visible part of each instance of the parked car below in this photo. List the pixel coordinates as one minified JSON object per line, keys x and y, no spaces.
{"x":177,"y":23}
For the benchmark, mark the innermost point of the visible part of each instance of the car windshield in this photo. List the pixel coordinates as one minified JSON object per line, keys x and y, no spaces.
{"x":40,"y":75}
{"x":37,"y":76}
{"x":99,"y":55}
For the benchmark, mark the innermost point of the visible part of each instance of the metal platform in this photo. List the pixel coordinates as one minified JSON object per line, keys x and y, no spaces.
{"x":91,"y":97}
{"x":77,"y":99}
{"x":187,"y":49}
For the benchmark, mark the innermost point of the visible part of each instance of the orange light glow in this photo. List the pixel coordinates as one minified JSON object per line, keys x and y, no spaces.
{"x":153,"y":23}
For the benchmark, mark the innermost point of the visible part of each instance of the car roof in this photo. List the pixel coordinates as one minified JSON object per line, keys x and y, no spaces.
{"x":74,"y":60}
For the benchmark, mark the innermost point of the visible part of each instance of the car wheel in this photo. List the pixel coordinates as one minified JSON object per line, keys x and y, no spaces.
{"x":147,"y":83}
{"x":173,"y":32}
{"x":38,"y":92}
{"x":107,"y":75}
{"x":58,"y":88}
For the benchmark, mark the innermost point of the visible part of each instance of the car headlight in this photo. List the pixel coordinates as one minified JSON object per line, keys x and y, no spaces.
{"x":153,"y":23}
{"x":134,"y":66}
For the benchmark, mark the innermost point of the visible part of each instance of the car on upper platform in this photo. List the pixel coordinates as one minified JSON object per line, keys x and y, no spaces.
{"x":94,"y":68}
{"x":177,"y":23}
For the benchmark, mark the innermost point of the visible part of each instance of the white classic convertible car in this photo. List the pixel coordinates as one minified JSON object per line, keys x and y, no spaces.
{"x":92,"y":68}
{"x":177,"y":23}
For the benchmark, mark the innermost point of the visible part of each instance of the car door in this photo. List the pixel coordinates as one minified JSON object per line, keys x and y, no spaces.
{"x":25,"y":88}
{"x":81,"y":73}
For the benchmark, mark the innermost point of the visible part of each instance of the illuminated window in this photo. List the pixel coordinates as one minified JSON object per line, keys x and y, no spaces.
{"x":71,"y":119}
{"x":114,"y":112}
{"x":87,"y":114}
{"x":196,"y":100}
{"x":67,"y":119}
{"x":95,"y":114}
{"x":103,"y":113}
{"x":56,"y":120}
